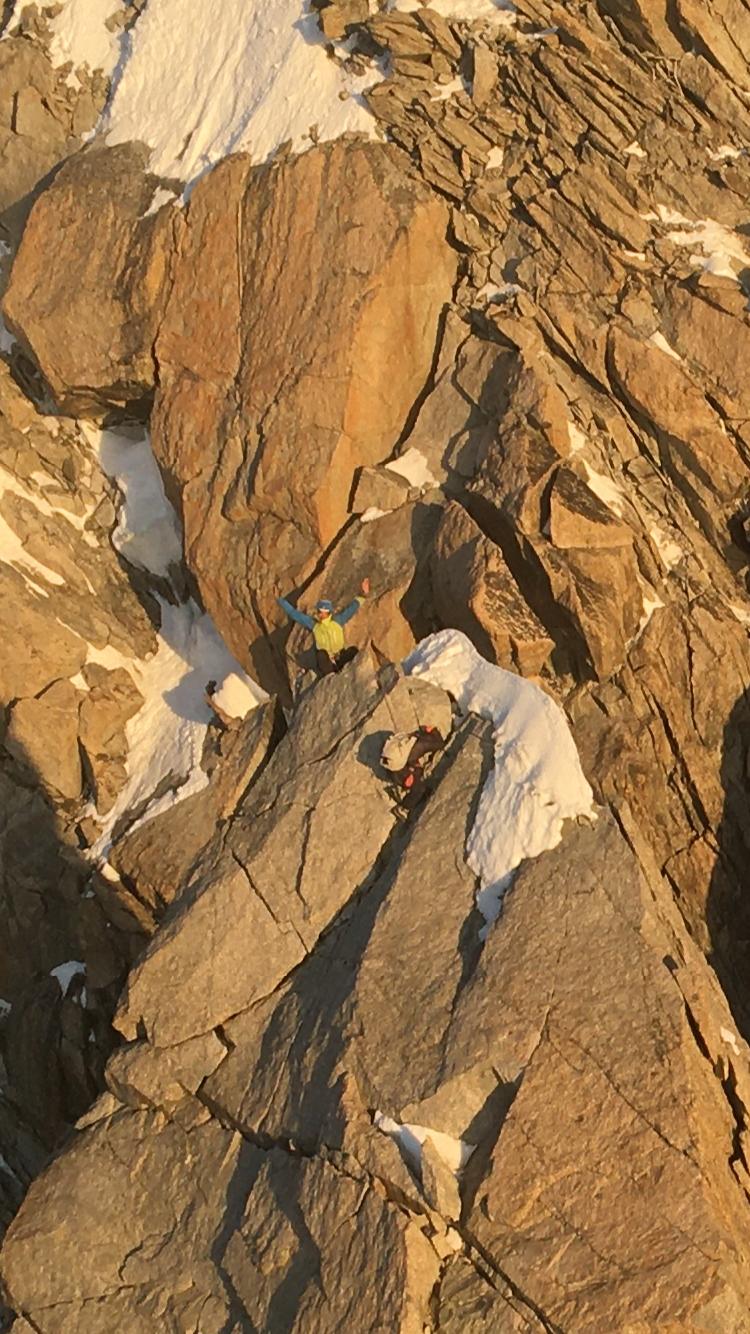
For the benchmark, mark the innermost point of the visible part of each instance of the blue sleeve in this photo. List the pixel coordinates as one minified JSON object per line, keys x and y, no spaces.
{"x":294,"y":614}
{"x":346,"y":613}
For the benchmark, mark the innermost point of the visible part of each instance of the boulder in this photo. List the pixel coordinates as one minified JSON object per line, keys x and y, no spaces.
{"x":276,"y":388}
{"x":379,"y":488}
{"x":91,"y":316}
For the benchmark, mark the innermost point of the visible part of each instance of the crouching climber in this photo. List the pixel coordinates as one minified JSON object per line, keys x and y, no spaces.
{"x":327,"y":625}
{"x":405,"y":756}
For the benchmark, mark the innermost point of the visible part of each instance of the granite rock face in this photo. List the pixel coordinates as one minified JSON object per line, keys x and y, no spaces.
{"x":498,"y":365}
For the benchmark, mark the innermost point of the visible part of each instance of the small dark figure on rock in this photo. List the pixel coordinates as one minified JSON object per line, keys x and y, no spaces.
{"x":406,"y":756}
{"x":327,"y":625}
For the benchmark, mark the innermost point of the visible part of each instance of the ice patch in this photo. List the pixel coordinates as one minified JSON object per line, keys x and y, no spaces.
{"x":413,"y":465}
{"x":243,"y":75}
{"x":536,"y":783}
{"x":65,"y":972}
{"x":455,"y":1153}
{"x":147,"y":533}
{"x":603,"y":487}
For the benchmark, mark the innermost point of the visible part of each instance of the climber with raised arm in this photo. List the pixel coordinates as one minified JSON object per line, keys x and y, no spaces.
{"x":327,"y":627}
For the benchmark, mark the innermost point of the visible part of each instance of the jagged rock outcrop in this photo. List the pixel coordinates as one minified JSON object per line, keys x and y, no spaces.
{"x":42,"y":121}
{"x":588,"y":983}
{"x":318,"y":351}
{"x":318,"y":1025}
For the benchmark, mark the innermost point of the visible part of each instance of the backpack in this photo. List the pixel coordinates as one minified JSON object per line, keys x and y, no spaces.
{"x":396,"y":751}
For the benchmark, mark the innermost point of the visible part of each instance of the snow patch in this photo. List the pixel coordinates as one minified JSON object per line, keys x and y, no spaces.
{"x":634,"y":150}
{"x":165,"y":737}
{"x":500,"y":12}
{"x":722,"y":251}
{"x":413,"y":465}
{"x":237,"y":695}
{"x":669,"y":550}
{"x":65,"y":972}
{"x":650,"y":605}
{"x":660,"y":341}
{"x":5,"y":1008}
{"x":371,"y":513}
{"x":724,"y":153}
{"x":243,"y":75}
{"x":80,"y":35}
{"x":493,"y":293}
{"x":147,"y":533}
{"x":160,"y":198}
{"x":603,"y":487}
{"x":455,"y":1153}
{"x":537,"y":782}
{"x":578,"y":440}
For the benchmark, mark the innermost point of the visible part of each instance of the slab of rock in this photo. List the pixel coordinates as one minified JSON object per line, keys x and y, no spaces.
{"x":697,"y":452}
{"x":111,"y":701}
{"x":280,"y":874}
{"x":475,"y":592}
{"x":313,"y":370}
{"x":229,"y":1231}
{"x":43,"y":733}
{"x":90,"y":279}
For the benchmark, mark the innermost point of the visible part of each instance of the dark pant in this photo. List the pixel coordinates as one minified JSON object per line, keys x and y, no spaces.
{"x":328,"y":663}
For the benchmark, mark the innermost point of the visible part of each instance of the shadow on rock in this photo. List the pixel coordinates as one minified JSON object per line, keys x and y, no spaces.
{"x":728,"y":904}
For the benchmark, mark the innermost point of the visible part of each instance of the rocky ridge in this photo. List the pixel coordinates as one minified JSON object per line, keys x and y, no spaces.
{"x":573,"y":382}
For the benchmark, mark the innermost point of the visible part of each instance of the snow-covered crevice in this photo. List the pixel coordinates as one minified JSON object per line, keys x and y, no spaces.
{"x":165,"y":738}
{"x":455,"y":1153}
{"x":536,"y":782}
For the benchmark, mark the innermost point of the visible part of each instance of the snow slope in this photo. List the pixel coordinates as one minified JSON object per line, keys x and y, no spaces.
{"x":537,"y":781}
{"x":240,"y":75}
